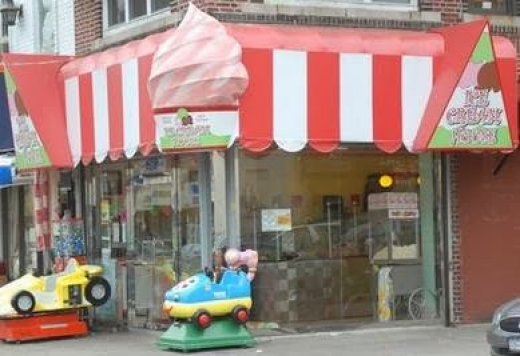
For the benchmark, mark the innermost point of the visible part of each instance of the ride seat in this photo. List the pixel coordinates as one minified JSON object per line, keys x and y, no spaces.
{"x":230,"y":277}
{"x":50,"y":281}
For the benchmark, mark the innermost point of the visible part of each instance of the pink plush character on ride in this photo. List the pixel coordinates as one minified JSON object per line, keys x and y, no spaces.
{"x":235,"y":259}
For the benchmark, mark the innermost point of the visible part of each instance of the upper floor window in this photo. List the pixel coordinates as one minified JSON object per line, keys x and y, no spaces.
{"x":123,"y":11}
{"x":346,"y":3}
{"x":499,"y":7}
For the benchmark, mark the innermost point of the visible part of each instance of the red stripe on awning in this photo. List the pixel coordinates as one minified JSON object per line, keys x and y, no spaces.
{"x":115,"y":111}
{"x":387,"y":103}
{"x":256,"y":133}
{"x":87,"y":117}
{"x":323,"y":100}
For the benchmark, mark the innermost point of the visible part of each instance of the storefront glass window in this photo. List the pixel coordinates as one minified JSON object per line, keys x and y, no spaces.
{"x":329,"y":229}
{"x":22,"y":235}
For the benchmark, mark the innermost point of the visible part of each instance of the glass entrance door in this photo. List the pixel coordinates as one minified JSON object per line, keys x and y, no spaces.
{"x":152,"y":221}
{"x":187,"y":219}
{"x":164,"y":231}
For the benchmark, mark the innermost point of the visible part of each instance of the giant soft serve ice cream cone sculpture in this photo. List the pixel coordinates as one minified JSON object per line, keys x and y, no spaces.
{"x":196,"y":79}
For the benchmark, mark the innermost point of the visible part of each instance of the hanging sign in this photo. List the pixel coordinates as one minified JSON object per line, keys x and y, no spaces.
{"x":186,"y":130}
{"x":29,"y":150}
{"x":475,"y":116}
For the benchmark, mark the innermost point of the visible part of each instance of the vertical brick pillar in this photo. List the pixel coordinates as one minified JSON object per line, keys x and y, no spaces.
{"x":451,"y":11}
{"x":457,"y":282}
{"x":88,"y":17}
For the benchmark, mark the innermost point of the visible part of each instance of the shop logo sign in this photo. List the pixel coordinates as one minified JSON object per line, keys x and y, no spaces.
{"x":196,"y":130}
{"x":29,"y":150}
{"x":475,"y":116}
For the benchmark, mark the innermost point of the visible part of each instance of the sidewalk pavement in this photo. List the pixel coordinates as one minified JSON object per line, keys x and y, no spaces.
{"x":427,"y":340}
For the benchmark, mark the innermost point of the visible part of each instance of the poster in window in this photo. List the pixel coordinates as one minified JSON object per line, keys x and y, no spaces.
{"x":276,"y":220}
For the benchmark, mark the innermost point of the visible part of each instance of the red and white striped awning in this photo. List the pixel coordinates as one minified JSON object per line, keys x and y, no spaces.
{"x":308,"y":86}
{"x":316,"y":87}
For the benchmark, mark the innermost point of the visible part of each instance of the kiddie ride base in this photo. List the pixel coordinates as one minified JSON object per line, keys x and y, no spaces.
{"x":42,"y":326}
{"x":223,"y":332}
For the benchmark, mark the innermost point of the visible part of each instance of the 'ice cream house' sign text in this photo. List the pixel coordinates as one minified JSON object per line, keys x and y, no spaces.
{"x":188,"y":130}
{"x":475,"y":116}
{"x":475,"y":122}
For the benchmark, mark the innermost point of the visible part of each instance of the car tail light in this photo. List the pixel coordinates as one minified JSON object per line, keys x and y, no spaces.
{"x":3,"y":268}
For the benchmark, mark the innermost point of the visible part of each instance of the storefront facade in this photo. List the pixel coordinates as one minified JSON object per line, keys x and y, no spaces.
{"x":330,"y":172}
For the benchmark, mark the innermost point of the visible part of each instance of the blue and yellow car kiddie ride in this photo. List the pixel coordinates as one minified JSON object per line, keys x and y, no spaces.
{"x":208,"y":313}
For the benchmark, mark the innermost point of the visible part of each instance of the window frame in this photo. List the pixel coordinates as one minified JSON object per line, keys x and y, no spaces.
{"x":413,"y":5}
{"x":127,"y":21}
{"x":509,"y":8}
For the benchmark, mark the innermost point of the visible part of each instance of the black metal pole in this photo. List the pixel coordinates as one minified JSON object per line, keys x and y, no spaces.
{"x":445,"y":239}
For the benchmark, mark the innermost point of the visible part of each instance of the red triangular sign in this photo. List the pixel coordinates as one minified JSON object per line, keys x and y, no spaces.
{"x":466,"y":109}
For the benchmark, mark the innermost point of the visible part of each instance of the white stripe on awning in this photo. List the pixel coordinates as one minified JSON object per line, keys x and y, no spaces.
{"x":101,"y":117}
{"x":73,"y":113}
{"x":356,"y":98}
{"x":131,"y":133}
{"x":417,"y":83}
{"x":290,"y":99}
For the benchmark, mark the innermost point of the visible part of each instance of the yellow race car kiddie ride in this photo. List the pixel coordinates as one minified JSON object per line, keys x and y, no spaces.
{"x":75,"y":288}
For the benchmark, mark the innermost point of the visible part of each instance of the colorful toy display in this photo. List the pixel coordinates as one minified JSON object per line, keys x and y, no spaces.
{"x":74,"y":288}
{"x":69,"y":242}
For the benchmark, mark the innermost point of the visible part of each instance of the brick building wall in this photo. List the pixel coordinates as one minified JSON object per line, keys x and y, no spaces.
{"x":432,"y":13}
{"x":485,"y":234}
{"x":88,"y":16}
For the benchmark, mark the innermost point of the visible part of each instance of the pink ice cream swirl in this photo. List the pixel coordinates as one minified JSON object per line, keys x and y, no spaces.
{"x":200,"y":65}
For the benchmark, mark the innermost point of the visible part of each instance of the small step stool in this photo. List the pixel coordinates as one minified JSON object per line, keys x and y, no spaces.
{"x":43,"y":326}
